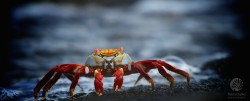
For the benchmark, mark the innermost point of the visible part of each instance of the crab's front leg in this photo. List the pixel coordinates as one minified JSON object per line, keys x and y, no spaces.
{"x":98,"y":82}
{"x":118,"y":79}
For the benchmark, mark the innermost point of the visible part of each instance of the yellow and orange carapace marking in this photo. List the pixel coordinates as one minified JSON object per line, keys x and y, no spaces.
{"x":108,"y":52}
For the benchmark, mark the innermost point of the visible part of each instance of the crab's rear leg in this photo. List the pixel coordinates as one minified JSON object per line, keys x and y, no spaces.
{"x":176,"y":70}
{"x":43,"y":81}
{"x":165,"y":74}
{"x":148,"y":64}
{"x":71,"y":78}
{"x":159,"y":64}
{"x":139,"y":67}
{"x":50,"y":83}
{"x":46,"y":83}
{"x":140,"y":76}
{"x":75,"y":82}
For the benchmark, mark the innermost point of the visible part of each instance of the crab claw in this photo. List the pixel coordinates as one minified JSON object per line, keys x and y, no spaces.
{"x":118,"y":79}
{"x":98,"y":82}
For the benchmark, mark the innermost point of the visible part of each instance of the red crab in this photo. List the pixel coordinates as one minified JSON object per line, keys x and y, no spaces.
{"x":106,"y":62}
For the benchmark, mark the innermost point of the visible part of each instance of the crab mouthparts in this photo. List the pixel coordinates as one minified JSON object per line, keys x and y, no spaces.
{"x":109,"y":65}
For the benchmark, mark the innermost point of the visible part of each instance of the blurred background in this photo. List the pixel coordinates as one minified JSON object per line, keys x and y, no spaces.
{"x":206,"y":38}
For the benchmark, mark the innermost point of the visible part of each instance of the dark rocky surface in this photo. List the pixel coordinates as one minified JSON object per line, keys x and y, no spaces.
{"x":205,"y":91}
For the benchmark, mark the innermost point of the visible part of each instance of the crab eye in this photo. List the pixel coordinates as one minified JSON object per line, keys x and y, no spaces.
{"x":100,"y":55}
{"x":116,"y":54}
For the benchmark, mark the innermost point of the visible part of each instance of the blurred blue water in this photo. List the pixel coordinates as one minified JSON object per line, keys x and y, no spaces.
{"x":68,"y":33}
{"x":184,"y":33}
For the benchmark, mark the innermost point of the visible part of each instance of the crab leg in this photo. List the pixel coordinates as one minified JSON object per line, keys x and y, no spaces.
{"x":165,"y":74}
{"x":75,"y":81}
{"x":140,"y":77}
{"x":50,"y":83}
{"x":71,"y":77}
{"x":176,"y":70}
{"x":44,"y":80}
{"x":147,"y":64}
{"x":119,"y":79}
{"x":138,"y":67}
{"x":98,"y":82}
{"x":151,"y":64}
